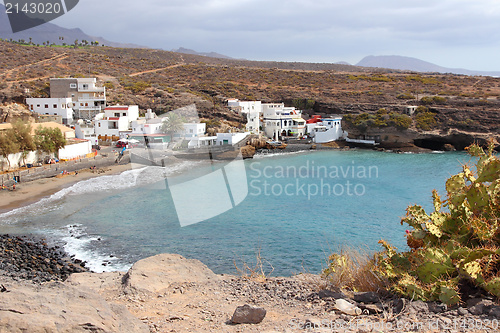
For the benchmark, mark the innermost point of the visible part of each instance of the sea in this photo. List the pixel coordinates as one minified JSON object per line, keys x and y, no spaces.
{"x":284,"y":215}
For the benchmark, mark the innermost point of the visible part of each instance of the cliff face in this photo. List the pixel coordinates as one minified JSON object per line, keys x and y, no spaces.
{"x":447,"y":128}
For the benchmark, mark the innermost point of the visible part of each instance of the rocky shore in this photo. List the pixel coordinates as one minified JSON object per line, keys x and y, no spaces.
{"x":41,"y":290}
{"x":29,"y":258}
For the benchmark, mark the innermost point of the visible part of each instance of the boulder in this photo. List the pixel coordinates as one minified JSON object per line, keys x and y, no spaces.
{"x":59,"y":307}
{"x":156,"y":274}
{"x":247,"y":314}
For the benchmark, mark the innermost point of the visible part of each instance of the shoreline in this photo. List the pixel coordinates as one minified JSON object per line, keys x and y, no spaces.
{"x":27,"y":193}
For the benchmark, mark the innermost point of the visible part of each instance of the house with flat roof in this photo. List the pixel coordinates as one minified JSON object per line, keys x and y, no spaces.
{"x":86,"y":97}
{"x":116,"y":120}
{"x":282,"y":122}
{"x":52,"y":106}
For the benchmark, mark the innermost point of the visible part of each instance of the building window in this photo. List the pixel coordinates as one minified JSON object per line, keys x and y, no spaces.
{"x":99,"y":124}
{"x":54,"y":106}
{"x":85,"y":86}
{"x":86,"y":104}
{"x":38,"y":105}
{"x":63,"y":106}
{"x":124,"y":114}
{"x":46,"y":106}
{"x":72,"y":85}
{"x":117,"y":114}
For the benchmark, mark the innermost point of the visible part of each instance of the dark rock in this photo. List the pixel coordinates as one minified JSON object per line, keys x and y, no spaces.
{"x":462,"y":311}
{"x":494,"y":312}
{"x":325,"y":293}
{"x":366,"y":297}
{"x":479,"y":306}
{"x":437,"y":307}
{"x":419,"y":307}
{"x":247,"y":314}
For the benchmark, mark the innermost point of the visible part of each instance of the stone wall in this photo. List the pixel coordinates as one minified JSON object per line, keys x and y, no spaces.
{"x":52,"y":170}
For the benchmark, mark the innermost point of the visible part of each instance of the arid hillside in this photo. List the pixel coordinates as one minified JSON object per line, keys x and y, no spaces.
{"x":164,"y":80}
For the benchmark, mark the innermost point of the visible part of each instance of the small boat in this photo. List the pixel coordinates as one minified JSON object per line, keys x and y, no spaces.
{"x":275,"y":145}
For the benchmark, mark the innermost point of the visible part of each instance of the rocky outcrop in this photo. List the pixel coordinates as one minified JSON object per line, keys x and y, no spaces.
{"x":13,"y":111}
{"x":156,"y":274}
{"x":60,"y":307}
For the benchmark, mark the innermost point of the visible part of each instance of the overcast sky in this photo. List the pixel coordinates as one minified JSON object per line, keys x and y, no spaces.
{"x":450,"y":33}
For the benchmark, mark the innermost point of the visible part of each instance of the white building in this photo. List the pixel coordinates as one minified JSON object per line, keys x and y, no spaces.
{"x":230,"y":138}
{"x":86,"y":132}
{"x":194,"y":129}
{"x":281,"y":122}
{"x":116,"y":120}
{"x":88,"y":99}
{"x":328,"y":129}
{"x":52,"y":106}
{"x":252,"y":110}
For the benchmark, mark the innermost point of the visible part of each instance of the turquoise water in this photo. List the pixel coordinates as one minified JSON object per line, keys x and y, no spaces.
{"x":299,"y":208}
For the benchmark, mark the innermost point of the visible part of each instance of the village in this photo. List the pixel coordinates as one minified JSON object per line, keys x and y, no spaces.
{"x":78,"y":108}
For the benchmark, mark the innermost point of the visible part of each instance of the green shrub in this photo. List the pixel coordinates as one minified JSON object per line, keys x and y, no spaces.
{"x":449,"y":247}
{"x":425,"y":121}
{"x":427,"y":100}
{"x":400,"y":121}
{"x":405,"y":96}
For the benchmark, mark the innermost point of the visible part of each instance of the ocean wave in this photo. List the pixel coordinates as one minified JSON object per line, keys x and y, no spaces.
{"x":102,"y":184}
{"x":84,"y":247}
{"x":283,"y":154}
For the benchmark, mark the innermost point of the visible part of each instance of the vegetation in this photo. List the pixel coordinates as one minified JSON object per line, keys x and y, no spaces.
{"x":451,"y":247}
{"x":173,"y":124}
{"x":381,"y":119}
{"x":352,"y":270}
{"x":303,"y":103}
{"x":405,"y":96}
{"x":427,"y":100}
{"x":426,"y":120}
{"x":49,"y":140}
{"x":21,"y":133}
{"x":7,"y":146}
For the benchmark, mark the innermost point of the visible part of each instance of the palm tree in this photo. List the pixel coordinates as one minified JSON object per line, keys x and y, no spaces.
{"x":172,"y":124}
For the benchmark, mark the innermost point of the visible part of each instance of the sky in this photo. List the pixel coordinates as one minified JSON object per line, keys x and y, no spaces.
{"x":449,"y":33}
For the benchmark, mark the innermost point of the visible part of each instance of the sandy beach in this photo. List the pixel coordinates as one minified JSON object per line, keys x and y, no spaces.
{"x":29,"y":192}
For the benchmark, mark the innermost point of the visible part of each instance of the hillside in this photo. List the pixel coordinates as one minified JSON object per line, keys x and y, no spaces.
{"x":414,"y":64}
{"x":164,"y":80}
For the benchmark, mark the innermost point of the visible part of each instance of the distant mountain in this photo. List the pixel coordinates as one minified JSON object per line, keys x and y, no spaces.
{"x":417,"y":65}
{"x":52,"y":32}
{"x":206,"y":54}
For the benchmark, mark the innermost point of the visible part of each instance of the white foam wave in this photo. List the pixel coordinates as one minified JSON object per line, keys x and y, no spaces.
{"x":83,"y":247}
{"x":106,"y":183}
{"x":267,"y":155}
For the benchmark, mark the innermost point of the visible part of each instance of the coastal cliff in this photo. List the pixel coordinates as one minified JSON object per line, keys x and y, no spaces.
{"x":169,"y":293}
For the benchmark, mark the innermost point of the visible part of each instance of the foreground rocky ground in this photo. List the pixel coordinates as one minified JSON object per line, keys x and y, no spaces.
{"x":168,"y":293}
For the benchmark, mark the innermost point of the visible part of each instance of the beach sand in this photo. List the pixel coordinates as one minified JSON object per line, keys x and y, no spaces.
{"x":30,"y":192}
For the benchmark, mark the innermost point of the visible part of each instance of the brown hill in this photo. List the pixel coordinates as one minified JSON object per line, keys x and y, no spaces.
{"x":164,"y":80}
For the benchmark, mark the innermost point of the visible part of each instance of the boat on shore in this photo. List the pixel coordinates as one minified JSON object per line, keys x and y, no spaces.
{"x":275,"y":145}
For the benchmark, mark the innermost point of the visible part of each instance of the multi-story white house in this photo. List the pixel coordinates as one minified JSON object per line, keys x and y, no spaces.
{"x":52,"y":106}
{"x":326,"y":130}
{"x":252,"y":110}
{"x":116,"y":120}
{"x":282,"y":122}
{"x":88,"y":99}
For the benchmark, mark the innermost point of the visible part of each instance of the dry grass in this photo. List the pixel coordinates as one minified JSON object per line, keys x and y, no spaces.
{"x":260,"y":271}
{"x":353,"y":270}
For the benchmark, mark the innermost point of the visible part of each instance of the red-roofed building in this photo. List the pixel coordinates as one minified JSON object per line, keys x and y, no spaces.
{"x":116,"y":120}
